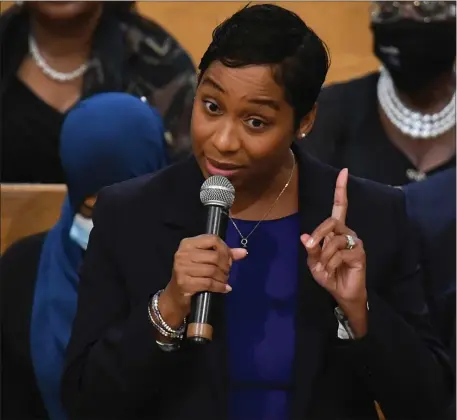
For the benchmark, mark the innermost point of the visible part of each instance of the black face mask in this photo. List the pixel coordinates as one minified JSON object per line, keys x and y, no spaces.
{"x":415,"y":53}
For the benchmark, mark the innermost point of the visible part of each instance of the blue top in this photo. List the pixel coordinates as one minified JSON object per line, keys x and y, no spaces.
{"x":260,"y":313}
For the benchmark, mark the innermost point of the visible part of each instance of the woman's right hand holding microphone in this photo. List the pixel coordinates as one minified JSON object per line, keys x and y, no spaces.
{"x":201,"y":264}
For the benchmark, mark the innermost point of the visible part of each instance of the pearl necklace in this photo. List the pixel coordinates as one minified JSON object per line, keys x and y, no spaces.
{"x":49,"y":71}
{"x":412,"y":123}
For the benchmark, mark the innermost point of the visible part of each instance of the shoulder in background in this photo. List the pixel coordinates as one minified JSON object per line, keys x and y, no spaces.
{"x":162,"y":71}
{"x":339,"y":108}
{"x":382,"y":192}
{"x":341,"y":90}
{"x":446,"y":178}
{"x":152,"y":41}
{"x":22,"y":249}
{"x":432,"y":202}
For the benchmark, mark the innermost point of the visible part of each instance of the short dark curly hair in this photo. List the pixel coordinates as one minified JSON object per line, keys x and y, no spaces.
{"x":268,"y":34}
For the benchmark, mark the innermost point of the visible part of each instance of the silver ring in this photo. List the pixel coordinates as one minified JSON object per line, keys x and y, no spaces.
{"x":350,"y":242}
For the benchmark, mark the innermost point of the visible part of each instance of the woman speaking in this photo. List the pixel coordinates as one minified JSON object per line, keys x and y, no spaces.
{"x":309,"y":321}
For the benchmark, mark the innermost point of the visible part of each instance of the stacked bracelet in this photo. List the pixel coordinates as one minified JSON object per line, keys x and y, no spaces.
{"x":168,"y":347}
{"x":159,"y":323}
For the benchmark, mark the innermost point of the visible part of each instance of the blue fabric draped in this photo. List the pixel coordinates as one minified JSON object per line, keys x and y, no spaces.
{"x":105,"y":139}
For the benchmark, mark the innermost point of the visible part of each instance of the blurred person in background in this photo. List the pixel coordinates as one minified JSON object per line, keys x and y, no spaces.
{"x":57,"y":53}
{"x":397,"y":125}
{"x":431,"y":206}
{"x":105,"y":139}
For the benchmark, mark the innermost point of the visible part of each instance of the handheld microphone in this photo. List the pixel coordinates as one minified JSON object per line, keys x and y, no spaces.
{"x":217,"y":195}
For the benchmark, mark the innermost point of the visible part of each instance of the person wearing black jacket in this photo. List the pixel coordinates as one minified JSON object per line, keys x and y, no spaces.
{"x":54,"y":54}
{"x":311,"y":322}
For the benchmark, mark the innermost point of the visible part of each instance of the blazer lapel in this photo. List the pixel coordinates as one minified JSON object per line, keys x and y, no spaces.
{"x":183,"y":212}
{"x":185,"y":217}
{"x":315,"y":322}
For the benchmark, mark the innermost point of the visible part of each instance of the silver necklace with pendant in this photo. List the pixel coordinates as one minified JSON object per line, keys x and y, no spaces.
{"x":244,"y":239}
{"x":415,"y":175}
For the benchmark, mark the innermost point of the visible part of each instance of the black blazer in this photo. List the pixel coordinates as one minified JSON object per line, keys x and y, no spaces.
{"x":115,"y":370}
{"x":20,"y":396}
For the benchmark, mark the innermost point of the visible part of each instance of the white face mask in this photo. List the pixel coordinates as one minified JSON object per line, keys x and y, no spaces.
{"x":80,"y":230}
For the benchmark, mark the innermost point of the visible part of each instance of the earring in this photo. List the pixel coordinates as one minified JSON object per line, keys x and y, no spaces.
{"x":302,"y":135}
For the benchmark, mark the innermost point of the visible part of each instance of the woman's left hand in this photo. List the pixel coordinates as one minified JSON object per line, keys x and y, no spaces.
{"x":339,"y":265}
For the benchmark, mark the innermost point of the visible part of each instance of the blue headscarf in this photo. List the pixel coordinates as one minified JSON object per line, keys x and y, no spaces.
{"x":105,"y":139}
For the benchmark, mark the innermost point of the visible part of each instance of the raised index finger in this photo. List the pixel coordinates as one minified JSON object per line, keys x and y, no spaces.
{"x":340,"y":200}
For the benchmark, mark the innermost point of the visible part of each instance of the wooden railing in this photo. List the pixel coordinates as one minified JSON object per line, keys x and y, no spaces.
{"x":28,"y":209}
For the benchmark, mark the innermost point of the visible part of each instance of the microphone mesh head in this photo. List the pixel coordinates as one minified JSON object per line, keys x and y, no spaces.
{"x":217,"y":190}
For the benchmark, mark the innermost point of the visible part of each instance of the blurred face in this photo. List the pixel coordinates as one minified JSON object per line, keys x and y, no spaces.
{"x":242,"y":126}
{"x":415,"y":41}
{"x":64,"y":10}
{"x":420,"y":11}
{"x":82,"y":223}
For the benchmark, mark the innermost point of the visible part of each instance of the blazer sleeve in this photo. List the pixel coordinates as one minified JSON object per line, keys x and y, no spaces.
{"x":113,"y":365}
{"x":401,"y":358}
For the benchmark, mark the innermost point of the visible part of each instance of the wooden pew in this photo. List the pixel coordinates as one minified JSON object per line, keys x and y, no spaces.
{"x":28,"y":209}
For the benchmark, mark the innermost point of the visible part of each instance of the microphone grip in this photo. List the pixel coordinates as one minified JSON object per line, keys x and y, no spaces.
{"x":199,"y":328}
